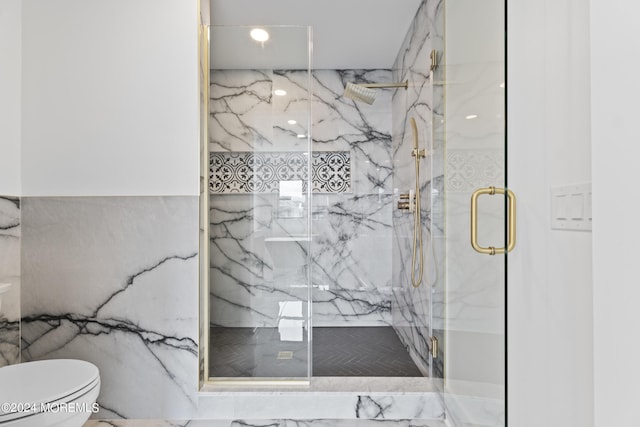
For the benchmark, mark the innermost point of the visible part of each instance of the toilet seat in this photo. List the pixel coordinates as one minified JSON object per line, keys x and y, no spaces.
{"x":45,"y":382}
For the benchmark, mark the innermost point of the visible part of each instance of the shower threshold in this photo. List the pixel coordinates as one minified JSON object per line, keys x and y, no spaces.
{"x":350,"y":385}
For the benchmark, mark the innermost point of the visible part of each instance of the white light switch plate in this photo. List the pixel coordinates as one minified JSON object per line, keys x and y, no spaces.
{"x":571,"y":207}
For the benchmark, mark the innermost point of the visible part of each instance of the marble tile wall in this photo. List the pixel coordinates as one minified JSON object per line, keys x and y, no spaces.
{"x":411,"y":307}
{"x":351,"y":246}
{"x":10,"y":231}
{"x":113,"y":280}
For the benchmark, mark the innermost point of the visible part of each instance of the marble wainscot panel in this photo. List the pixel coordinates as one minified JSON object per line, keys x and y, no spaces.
{"x":331,"y":398}
{"x":328,"y":401}
{"x":411,"y":308}
{"x":9,"y":275}
{"x":114,"y":281}
{"x":350,"y":248}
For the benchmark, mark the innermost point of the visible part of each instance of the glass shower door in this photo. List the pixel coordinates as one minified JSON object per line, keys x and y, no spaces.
{"x":260,"y":227}
{"x":478,"y":212}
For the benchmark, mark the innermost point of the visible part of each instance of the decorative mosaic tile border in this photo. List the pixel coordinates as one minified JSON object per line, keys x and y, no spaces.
{"x":261,"y":172}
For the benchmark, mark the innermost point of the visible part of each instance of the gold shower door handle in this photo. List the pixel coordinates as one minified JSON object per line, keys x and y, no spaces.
{"x":511,"y":243}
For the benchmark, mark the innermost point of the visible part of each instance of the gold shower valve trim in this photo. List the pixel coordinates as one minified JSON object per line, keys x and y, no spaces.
{"x":406,"y":202}
{"x":491,"y":250}
{"x":420,"y":153}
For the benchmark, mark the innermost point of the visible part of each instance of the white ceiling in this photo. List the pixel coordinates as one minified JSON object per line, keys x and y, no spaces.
{"x":346,"y":33}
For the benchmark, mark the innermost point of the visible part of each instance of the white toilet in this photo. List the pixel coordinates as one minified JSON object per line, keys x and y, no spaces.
{"x":48,"y":393}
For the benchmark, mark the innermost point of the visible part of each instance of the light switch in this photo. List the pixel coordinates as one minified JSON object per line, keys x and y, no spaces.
{"x":571,"y":207}
{"x":576,"y":207}
{"x":561,"y":207}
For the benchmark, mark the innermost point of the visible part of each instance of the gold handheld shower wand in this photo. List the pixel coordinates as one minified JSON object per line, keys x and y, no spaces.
{"x":417,"y":220}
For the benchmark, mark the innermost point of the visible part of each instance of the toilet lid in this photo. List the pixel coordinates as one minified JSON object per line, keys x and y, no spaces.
{"x":45,"y":381}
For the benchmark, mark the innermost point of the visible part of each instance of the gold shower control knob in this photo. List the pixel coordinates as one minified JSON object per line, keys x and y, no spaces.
{"x":404,"y":206}
{"x":405,"y":196}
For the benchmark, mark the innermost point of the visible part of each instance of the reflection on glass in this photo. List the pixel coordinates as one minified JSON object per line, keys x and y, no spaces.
{"x":290,"y":321}
{"x":259,"y":225}
{"x":291,"y":199}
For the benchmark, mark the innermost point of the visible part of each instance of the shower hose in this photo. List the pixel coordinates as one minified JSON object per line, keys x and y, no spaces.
{"x":417,"y":220}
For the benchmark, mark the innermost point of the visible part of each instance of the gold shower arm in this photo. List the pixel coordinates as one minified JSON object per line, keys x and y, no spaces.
{"x":404,"y":84}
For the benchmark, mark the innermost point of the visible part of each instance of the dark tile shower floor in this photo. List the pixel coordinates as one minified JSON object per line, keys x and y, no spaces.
{"x":337,"y":351}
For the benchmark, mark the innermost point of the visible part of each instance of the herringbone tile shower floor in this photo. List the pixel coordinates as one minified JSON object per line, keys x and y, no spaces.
{"x":337,"y":351}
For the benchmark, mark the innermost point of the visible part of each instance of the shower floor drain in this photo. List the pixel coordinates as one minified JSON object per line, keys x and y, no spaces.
{"x":285,"y":355}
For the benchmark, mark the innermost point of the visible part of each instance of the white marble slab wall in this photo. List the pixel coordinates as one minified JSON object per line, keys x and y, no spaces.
{"x":352,"y":231}
{"x":10,"y":231}
{"x":411,"y":308}
{"x":113,"y":280}
{"x":350,"y":249}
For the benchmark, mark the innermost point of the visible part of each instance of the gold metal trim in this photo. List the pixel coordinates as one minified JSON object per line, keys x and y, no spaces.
{"x":434,"y":60}
{"x":434,"y":347}
{"x":511,"y":243}
{"x":214,"y":384}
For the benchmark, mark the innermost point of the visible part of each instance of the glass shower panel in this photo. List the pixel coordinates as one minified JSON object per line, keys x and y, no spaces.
{"x":475,"y":150}
{"x":260,"y":198}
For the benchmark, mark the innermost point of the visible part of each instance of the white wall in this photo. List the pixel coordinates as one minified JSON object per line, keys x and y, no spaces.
{"x":110,"y":97}
{"x":615,"y":43}
{"x":10,"y":83}
{"x":550,"y":278}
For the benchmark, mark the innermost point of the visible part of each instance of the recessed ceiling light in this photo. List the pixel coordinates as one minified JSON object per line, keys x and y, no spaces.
{"x":302,"y":136}
{"x":280,"y":92}
{"x":502,"y":85}
{"x":259,"y":35}
{"x":471,"y":116}
{"x":292,"y":122}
